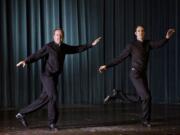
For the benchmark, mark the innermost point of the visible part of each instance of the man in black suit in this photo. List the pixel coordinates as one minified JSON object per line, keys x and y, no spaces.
{"x":139,"y":52}
{"x":54,"y":54}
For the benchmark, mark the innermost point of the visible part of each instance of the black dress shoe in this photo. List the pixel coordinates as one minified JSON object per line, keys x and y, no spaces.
{"x":146,"y":124}
{"x":107,"y":99}
{"x":53,"y":127}
{"x":21,"y":118}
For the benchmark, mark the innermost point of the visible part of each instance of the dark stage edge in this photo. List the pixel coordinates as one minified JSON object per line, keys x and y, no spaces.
{"x":111,"y":119}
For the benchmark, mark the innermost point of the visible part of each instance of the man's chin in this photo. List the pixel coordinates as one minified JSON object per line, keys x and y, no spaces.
{"x":57,"y":42}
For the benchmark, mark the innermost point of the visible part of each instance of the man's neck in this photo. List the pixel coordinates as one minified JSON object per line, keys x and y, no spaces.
{"x":140,"y":39}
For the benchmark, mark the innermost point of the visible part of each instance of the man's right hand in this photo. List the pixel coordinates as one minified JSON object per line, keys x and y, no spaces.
{"x":21,"y":63}
{"x":102,"y":68}
{"x":169,"y":33}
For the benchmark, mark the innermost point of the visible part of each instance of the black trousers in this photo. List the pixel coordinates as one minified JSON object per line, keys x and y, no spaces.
{"x":139,"y":80}
{"x":48,"y":96}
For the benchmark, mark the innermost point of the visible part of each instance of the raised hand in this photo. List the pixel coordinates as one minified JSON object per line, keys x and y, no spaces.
{"x":102,"y":68}
{"x":96,"y":41}
{"x":21,"y":63}
{"x":169,"y":33}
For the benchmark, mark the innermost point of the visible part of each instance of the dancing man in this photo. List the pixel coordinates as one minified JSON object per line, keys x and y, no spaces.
{"x":54,"y":54}
{"x":139,"y":52}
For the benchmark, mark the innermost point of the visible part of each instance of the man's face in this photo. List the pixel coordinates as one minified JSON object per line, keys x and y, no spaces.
{"x":140,"y":33}
{"x":58,"y":36}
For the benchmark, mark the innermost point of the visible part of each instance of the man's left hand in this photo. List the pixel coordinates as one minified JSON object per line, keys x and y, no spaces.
{"x":169,"y":33}
{"x":96,"y":41}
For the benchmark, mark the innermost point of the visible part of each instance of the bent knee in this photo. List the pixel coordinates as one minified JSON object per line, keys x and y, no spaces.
{"x":52,"y":98}
{"x":146,"y":97}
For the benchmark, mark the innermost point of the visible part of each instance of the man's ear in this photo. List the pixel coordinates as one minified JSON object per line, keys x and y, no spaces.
{"x":135,"y":33}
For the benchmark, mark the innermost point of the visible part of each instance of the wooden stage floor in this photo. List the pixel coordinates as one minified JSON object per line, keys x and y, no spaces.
{"x":111,"y":119}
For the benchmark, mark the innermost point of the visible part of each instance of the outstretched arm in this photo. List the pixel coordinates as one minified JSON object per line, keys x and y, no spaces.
{"x":77,"y":49}
{"x":126,"y":52}
{"x":161,"y":43}
{"x":34,"y":57}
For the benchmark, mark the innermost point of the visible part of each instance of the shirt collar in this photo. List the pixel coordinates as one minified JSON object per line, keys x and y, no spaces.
{"x":58,"y":44}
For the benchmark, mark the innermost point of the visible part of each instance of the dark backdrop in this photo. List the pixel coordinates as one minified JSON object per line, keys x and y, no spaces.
{"x":26,"y":25}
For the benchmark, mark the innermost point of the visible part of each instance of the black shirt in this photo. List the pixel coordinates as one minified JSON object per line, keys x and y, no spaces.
{"x":54,"y":55}
{"x":139,"y":53}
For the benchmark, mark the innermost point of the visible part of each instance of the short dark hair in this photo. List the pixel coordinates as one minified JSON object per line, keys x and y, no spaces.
{"x":139,"y":26}
{"x":58,"y":29}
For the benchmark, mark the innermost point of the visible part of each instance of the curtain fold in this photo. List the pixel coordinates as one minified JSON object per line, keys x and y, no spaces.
{"x":26,"y":25}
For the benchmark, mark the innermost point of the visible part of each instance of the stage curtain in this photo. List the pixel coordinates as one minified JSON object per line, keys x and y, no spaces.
{"x":26,"y":26}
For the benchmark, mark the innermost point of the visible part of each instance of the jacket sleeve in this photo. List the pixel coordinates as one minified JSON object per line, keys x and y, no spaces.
{"x":125,"y":53}
{"x":76,"y":49}
{"x":36,"y":56}
{"x":158,"y":44}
